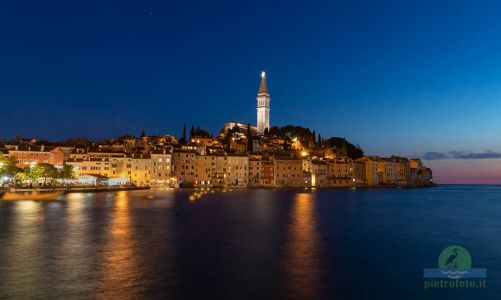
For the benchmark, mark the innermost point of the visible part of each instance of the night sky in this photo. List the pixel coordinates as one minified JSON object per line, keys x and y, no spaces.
{"x":414,"y":78}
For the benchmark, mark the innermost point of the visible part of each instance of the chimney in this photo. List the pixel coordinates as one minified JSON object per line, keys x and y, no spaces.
{"x":42,"y":149}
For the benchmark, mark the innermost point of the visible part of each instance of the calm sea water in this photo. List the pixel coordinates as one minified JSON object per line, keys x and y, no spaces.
{"x":247,"y":244}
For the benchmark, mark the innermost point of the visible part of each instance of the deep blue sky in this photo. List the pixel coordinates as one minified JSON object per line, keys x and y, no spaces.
{"x":397,"y":77}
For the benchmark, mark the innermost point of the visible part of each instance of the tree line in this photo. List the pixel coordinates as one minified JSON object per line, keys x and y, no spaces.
{"x":8,"y":168}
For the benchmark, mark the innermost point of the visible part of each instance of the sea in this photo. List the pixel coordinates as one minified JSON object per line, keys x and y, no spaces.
{"x":248,"y":243}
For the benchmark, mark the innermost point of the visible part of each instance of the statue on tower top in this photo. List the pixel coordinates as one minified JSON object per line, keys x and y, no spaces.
{"x":263,"y":88}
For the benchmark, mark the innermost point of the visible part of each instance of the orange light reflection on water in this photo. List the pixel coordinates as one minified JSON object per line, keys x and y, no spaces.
{"x":302,"y":263}
{"x":120,"y":272}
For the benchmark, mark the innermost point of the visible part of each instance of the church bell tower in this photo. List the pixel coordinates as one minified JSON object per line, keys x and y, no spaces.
{"x":263,"y":106}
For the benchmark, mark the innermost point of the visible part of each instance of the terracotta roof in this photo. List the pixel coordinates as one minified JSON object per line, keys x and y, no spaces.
{"x":29,"y":148}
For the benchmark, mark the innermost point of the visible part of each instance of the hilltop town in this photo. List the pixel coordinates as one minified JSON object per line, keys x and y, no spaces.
{"x":240,"y":155}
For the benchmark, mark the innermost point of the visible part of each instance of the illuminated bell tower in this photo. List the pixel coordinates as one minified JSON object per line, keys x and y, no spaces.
{"x":263,"y":106}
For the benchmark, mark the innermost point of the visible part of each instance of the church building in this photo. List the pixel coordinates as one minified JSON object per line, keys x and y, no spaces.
{"x":263,"y":106}
{"x":263,"y":110}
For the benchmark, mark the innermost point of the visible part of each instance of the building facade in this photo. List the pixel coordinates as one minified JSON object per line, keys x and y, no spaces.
{"x":28,"y":155}
{"x":161,"y":167}
{"x":255,"y":172}
{"x":288,"y":172}
{"x":238,"y":170}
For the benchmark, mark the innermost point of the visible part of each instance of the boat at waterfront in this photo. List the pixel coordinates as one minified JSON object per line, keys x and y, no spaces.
{"x":31,"y":195}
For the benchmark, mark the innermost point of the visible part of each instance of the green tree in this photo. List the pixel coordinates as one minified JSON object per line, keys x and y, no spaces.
{"x":250,"y":141}
{"x":183,"y":136}
{"x":41,"y":171}
{"x":192,"y":131}
{"x":266,"y":132}
{"x":8,"y":166}
{"x":236,"y":129}
{"x":275,"y":131}
{"x":198,"y":132}
{"x":287,"y":143}
{"x":228,"y":138}
{"x":65,"y":172}
{"x":344,"y":147}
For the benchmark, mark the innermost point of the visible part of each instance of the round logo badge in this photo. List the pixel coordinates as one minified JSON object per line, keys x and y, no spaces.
{"x":454,"y":258}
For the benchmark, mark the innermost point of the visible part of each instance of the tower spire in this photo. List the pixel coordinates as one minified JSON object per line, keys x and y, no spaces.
{"x":263,"y":88}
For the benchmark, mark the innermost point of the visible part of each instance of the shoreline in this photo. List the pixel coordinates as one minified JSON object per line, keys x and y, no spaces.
{"x":117,"y":189}
{"x":80,"y":189}
{"x":299,"y":188}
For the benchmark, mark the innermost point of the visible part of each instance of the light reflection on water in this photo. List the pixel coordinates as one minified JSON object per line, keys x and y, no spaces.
{"x":71,"y":257}
{"x":302,"y":265}
{"x":21,"y":264}
{"x":120,"y":273}
{"x":244,"y":244}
